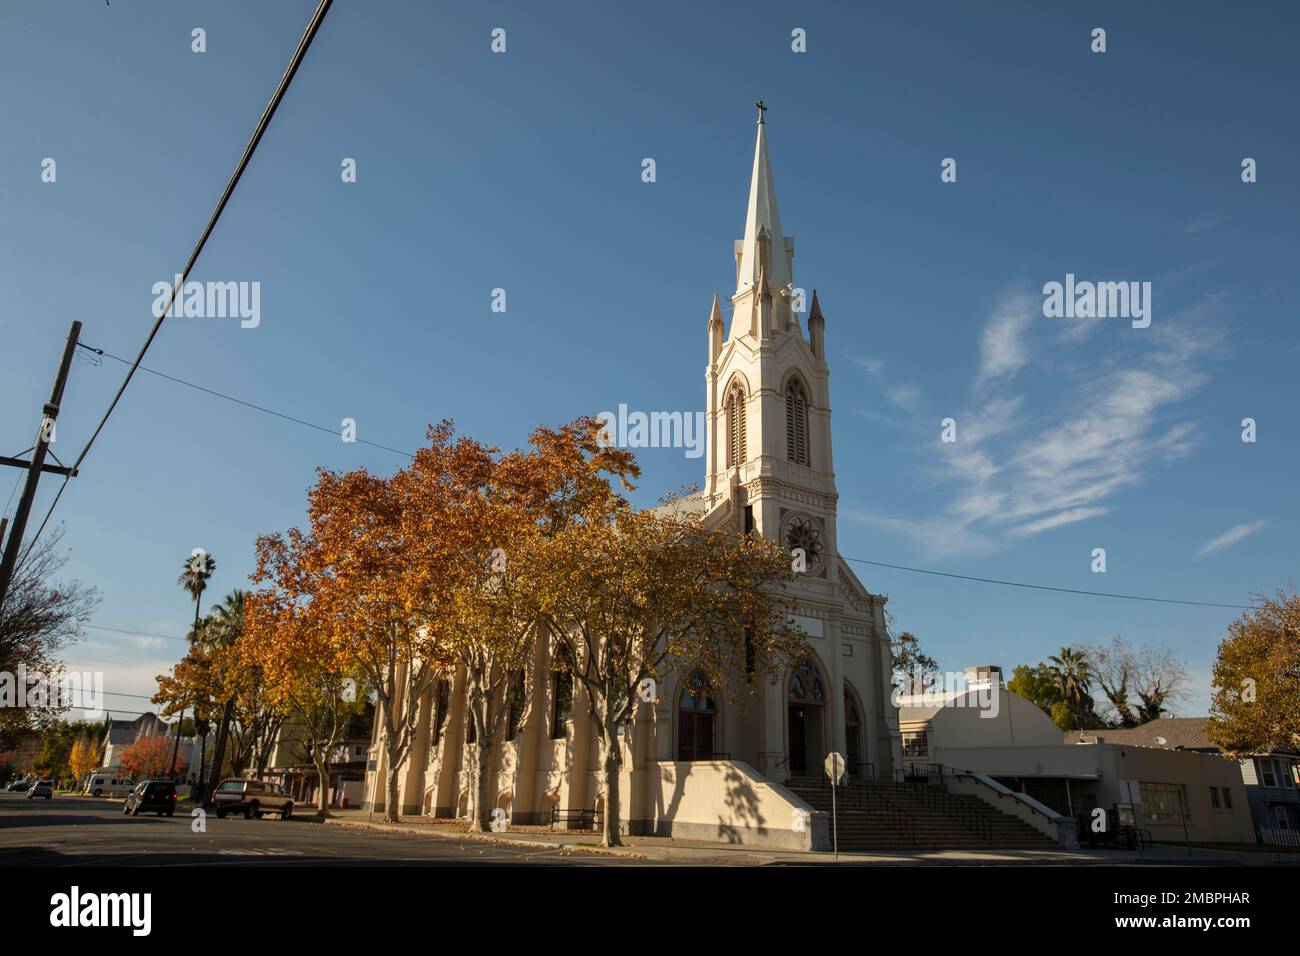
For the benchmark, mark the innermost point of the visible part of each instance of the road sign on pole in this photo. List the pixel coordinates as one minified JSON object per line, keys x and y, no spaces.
{"x":835,"y":767}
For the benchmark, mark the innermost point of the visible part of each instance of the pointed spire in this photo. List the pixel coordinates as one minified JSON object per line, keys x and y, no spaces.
{"x":715,"y":314}
{"x":762,"y":223}
{"x":817,"y":328}
{"x":764,"y":291}
{"x":715,"y":330}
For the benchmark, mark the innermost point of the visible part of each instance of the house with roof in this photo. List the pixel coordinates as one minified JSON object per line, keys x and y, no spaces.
{"x":1271,"y":779}
{"x":120,"y":734}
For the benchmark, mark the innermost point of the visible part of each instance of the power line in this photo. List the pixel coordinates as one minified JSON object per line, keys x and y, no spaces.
{"x":118,"y":630}
{"x":239,"y":401}
{"x":312,"y":27}
{"x":1044,"y":587}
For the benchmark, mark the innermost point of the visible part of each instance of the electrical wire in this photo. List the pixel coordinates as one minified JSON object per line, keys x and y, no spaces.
{"x":290,"y":71}
{"x":1044,"y":587}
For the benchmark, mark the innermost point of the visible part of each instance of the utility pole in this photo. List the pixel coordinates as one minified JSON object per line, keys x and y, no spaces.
{"x":37,"y":465}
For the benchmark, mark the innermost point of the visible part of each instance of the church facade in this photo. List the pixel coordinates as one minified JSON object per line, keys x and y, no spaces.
{"x":696,"y":766}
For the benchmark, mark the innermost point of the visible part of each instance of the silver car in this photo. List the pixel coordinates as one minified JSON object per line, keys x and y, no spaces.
{"x":41,"y":788}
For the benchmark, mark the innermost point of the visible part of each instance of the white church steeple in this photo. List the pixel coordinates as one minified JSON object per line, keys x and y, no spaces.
{"x":764,"y":243}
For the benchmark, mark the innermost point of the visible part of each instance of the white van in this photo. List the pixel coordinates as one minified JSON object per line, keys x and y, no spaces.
{"x":108,"y":783}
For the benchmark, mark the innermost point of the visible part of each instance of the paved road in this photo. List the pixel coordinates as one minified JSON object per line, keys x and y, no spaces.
{"x":78,"y":831}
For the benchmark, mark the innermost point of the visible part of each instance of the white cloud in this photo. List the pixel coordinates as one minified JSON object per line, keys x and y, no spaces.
{"x":1233,"y":535}
{"x":1057,"y":449}
{"x":1003,"y":348}
{"x":872,"y":366}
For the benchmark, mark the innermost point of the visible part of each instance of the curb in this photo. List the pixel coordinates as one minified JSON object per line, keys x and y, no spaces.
{"x":481,"y":838}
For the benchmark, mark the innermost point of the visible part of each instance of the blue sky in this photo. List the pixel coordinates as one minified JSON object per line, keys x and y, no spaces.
{"x":522,"y":171}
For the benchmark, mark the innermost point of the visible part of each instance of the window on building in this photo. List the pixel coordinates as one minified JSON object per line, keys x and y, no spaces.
{"x":915,"y":744}
{"x":696,"y":713}
{"x":1283,"y":822}
{"x":442,"y":698}
{"x":518,"y":704}
{"x":1227,"y":799}
{"x":796,"y":423}
{"x":1164,"y":802}
{"x":1214,"y":797}
{"x":1284,"y":771}
{"x":806,"y":684}
{"x":562,"y":693}
{"x":852,"y":732}
{"x":1266,"y":773}
{"x":735,"y":410}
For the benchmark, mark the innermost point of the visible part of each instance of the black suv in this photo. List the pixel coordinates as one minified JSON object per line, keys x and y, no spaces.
{"x":156,"y":795}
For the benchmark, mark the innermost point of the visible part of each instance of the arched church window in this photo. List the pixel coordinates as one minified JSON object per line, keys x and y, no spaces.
{"x":696,"y":713}
{"x":442,"y":699}
{"x":518,"y":704}
{"x":735,"y":408}
{"x":806,"y":684}
{"x":796,"y":423}
{"x":562,"y":692}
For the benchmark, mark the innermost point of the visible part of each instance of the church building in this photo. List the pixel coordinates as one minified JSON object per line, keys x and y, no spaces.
{"x":694,"y":765}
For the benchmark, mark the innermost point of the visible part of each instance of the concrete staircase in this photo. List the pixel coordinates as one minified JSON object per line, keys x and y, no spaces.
{"x":899,"y":816}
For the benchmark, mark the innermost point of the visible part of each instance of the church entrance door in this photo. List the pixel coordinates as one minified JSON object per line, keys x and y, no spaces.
{"x":798,"y":739}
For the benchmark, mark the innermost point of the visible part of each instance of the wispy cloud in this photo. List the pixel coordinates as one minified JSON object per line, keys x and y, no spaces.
{"x":872,"y":366}
{"x":1053,"y":447}
{"x":1003,"y":346}
{"x":1233,"y":535}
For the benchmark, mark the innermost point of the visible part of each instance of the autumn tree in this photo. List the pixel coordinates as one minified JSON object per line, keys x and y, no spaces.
{"x":194,"y":683}
{"x":150,"y":756}
{"x":1255,"y":706}
{"x":369,"y":603}
{"x":630,"y":597}
{"x":491,"y":512}
{"x":310,"y":681}
{"x":83,"y":760}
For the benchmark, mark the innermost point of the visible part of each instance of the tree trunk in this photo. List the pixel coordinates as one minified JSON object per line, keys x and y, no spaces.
{"x":323,"y":782}
{"x":219,"y":750}
{"x":613,"y":764}
{"x":203,"y":761}
{"x":390,"y":805}
{"x":481,"y":820}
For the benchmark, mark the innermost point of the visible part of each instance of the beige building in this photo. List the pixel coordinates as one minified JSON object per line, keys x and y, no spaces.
{"x":986,"y":733}
{"x":695,"y":765}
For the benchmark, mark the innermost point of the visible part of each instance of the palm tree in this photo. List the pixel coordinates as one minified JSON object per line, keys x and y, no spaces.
{"x":222,"y":628}
{"x":1073,"y":678}
{"x":195,"y":572}
{"x":194,"y":577}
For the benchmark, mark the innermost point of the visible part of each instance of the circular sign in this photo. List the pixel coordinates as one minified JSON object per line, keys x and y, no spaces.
{"x":835,"y":765}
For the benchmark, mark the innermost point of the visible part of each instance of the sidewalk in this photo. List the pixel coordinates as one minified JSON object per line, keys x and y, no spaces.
{"x":706,"y":853}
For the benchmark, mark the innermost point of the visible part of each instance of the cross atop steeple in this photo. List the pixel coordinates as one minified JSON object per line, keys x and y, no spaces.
{"x":762,"y":108}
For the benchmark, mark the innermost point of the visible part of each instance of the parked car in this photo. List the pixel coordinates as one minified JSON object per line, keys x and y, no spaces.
{"x":41,"y":788}
{"x":106,"y":783}
{"x":252,"y":798}
{"x":18,"y":786}
{"x":156,"y":795}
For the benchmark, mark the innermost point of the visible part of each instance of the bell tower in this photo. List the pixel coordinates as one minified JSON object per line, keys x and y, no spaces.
{"x":769,"y":441}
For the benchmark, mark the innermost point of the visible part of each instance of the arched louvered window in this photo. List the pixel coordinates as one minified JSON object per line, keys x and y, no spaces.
{"x":796,"y":423}
{"x":735,"y":407}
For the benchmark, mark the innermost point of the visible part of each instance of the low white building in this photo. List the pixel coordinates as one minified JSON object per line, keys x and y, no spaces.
{"x":987,"y":731}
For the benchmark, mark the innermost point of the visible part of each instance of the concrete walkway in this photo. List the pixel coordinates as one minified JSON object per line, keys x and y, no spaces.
{"x":705,"y":853}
